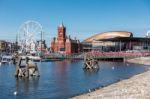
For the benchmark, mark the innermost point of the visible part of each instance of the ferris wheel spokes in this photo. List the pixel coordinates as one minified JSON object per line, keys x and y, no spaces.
{"x":28,"y":35}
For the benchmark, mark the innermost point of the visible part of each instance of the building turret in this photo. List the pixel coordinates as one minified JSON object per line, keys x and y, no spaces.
{"x":61,"y":32}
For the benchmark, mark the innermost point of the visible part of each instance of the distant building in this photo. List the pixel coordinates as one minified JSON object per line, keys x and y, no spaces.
{"x":116,"y":41}
{"x":3,"y":46}
{"x":64,"y":44}
{"x":11,"y":47}
{"x":7,"y":47}
{"x":41,"y":45}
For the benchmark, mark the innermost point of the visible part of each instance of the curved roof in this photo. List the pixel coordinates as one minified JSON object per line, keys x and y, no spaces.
{"x":107,"y":35}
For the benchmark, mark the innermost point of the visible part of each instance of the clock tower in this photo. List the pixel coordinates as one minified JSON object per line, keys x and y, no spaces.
{"x":61,"y":33}
{"x":64,"y":44}
{"x":61,"y":37}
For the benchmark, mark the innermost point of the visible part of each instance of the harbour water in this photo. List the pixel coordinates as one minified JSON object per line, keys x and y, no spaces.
{"x":63,"y":79}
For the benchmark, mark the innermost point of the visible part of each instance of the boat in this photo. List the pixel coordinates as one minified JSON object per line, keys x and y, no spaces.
{"x":6,"y":59}
{"x":35,"y":58}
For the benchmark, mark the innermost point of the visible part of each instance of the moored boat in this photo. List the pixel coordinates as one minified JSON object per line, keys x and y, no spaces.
{"x":6,"y":59}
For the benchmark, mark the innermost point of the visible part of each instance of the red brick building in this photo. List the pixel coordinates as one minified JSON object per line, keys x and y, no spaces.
{"x":64,"y":44}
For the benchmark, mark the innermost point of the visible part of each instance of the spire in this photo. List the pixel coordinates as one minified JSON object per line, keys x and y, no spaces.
{"x":16,"y":45}
{"x":16,"y":37}
{"x":61,"y":25}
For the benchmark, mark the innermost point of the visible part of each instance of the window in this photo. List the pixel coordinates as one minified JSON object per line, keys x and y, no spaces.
{"x":62,"y":49}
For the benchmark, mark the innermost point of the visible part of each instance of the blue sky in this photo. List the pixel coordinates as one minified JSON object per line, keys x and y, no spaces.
{"x":82,"y":18}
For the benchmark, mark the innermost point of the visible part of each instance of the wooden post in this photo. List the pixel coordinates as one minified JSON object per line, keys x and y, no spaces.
{"x":17,"y":66}
{"x":27,"y":71}
{"x":23,"y":71}
{"x":27,"y":68}
{"x":90,"y":62}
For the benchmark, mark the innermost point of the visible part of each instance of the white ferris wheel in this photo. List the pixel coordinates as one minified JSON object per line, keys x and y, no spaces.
{"x":148,"y":34}
{"x":28,"y":34}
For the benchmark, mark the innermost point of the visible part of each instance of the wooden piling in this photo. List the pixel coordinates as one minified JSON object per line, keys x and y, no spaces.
{"x":23,"y":71}
{"x":90,"y":62}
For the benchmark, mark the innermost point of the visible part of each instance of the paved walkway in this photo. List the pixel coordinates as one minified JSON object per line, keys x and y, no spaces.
{"x":137,"y":87}
{"x":141,"y":60}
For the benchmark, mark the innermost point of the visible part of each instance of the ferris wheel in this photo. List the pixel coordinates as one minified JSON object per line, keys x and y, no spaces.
{"x":148,"y":34}
{"x":28,"y":34}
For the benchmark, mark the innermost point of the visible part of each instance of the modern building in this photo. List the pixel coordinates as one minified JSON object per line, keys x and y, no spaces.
{"x":64,"y":44}
{"x":116,"y":41}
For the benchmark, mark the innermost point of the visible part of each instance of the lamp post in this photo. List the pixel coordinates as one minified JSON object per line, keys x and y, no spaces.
{"x":41,"y":44}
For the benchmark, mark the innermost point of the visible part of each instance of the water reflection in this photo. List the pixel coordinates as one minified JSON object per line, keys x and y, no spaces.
{"x":25,"y":84}
{"x":89,"y":72}
{"x":61,"y":75}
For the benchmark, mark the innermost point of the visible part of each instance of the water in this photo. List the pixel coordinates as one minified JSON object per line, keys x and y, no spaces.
{"x":63,"y":79}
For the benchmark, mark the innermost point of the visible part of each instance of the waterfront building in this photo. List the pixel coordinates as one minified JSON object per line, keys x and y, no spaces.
{"x":11,"y":47}
{"x":41,"y":45}
{"x":3,"y":46}
{"x":116,"y":41}
{"x":64,"y":44}
{"x":7,"y":47}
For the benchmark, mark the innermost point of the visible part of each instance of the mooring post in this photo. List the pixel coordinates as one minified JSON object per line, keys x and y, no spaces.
{"x":90,"y":62}
{"x":27,"y":67}
{"x":17,"y":67}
